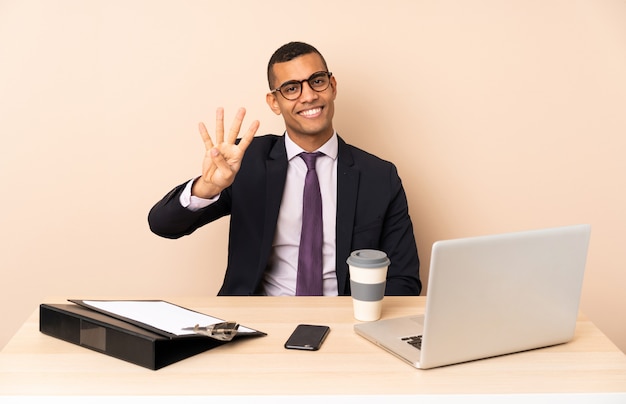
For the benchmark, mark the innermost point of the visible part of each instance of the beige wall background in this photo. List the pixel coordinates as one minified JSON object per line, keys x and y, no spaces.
{"x":500,"y":115}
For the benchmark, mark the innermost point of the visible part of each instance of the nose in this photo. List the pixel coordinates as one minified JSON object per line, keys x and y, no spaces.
{"x":307,"y":93}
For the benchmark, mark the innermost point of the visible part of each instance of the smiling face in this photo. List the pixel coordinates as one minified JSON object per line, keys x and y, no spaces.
{"x":308,"y":118}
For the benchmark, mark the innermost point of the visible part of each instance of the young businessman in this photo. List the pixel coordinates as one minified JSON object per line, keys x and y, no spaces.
{"x":259,"y":182}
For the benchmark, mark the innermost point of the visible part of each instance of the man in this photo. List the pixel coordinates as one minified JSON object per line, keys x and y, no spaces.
{"x":259,"y":182}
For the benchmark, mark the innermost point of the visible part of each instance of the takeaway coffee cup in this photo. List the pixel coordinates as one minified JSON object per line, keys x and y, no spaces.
{"x":368,"y":275}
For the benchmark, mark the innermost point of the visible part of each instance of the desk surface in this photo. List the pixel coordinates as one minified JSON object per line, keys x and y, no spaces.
{"x":34,"y":363}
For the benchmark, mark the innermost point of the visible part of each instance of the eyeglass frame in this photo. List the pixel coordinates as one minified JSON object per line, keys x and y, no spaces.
{"x":301,"y":83}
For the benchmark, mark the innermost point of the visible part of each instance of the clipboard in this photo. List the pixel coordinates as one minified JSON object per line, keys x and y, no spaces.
{"x":159,"y":316}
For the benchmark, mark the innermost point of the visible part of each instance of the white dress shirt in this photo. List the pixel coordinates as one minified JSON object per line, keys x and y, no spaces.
{"x":280,"y":277}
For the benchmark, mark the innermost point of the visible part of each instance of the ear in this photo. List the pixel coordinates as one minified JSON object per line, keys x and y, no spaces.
{"x":333,"y":85}
{"x":271,"y":100}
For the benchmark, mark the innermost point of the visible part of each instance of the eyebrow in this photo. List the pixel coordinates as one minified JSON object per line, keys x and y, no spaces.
{"x":303,"y":80}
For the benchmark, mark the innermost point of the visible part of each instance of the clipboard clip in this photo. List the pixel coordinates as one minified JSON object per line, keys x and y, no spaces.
{"x":225,"y":331}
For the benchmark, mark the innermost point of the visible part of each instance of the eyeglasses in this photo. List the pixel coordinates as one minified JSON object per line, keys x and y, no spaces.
{"x":292,"y":89}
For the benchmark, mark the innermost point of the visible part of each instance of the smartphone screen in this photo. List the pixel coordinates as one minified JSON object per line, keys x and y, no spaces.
{"x":307,"y":337}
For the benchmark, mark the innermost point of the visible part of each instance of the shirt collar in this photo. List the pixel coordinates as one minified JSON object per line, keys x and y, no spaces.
{"x":330,"y":148}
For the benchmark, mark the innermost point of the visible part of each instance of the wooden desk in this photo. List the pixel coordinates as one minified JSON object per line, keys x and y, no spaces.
{"x":36,"y":364}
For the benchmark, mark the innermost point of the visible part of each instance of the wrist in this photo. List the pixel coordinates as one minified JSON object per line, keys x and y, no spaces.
{"x":203,"y":190}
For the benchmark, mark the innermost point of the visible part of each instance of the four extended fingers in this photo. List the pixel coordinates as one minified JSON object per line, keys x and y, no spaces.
{"x":232,"y":134}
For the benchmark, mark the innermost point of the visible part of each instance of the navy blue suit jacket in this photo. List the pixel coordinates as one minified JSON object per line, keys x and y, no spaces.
{"x":372,"y":213}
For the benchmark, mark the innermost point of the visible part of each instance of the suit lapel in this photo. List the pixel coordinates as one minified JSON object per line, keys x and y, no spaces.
{"x":347,"y":189}
{"x":276,"y":173}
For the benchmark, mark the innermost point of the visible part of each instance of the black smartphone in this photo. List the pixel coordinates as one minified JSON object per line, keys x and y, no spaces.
{"x":307,"y":337}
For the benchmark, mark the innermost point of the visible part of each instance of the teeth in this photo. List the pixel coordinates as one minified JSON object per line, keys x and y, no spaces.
{"x":311,"y":112}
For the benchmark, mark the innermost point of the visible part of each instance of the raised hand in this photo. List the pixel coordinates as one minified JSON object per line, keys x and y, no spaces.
{"x":222,"y":160}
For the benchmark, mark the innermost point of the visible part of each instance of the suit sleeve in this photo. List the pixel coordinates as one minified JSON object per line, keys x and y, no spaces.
{"x":169,"y":219}
{"x":398,"y":240}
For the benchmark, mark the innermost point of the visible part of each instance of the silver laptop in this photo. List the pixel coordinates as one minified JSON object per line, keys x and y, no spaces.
{"x":490,"y":296}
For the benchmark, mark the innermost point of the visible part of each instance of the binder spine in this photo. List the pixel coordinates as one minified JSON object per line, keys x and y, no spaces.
{"x":98,"y":336}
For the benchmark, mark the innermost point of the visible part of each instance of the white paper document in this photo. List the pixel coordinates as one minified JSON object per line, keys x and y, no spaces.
{"x":159,"y":314}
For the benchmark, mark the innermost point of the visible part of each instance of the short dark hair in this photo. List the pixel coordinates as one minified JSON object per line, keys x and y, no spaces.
{"x":289,"y":52}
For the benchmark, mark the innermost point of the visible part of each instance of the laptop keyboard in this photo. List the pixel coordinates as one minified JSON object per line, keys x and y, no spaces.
{"x":415,"y":341}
